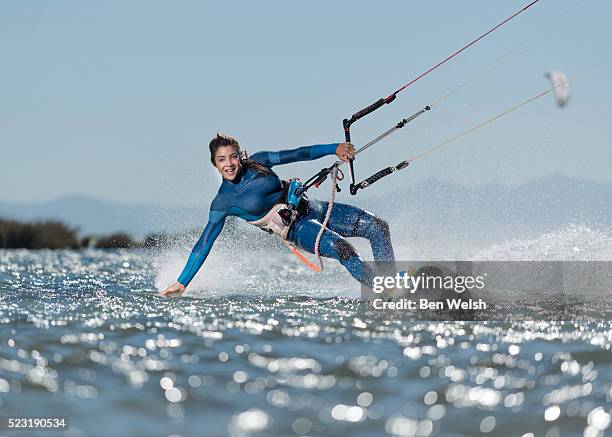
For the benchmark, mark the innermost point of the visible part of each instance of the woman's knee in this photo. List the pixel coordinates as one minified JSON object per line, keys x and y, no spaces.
{"x":383,"y":226}
{"x":376,"y":226}
{"x":344,"y":250}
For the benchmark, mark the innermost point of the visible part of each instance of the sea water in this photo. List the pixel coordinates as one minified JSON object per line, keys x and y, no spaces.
{"x":261,"y":346}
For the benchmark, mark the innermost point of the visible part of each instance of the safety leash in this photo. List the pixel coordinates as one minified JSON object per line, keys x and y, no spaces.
{"x":330,"y":205}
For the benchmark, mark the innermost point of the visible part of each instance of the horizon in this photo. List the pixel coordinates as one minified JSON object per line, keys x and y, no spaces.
{"x":442,"y":205}
{"x":362,"y":195}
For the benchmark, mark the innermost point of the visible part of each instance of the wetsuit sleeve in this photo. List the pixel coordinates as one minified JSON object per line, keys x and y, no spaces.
{"x":216,"y":220}
{"x":306,"y":153}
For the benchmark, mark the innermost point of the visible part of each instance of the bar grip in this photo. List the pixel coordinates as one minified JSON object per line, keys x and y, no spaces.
{"x":376,"y":176}
{"x":365,"y":111}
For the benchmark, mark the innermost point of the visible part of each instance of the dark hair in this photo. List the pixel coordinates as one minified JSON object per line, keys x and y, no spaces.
{"x":222,"y":140}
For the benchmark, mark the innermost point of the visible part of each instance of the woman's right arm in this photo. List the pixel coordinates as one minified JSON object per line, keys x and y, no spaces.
{"x":216,"y":220}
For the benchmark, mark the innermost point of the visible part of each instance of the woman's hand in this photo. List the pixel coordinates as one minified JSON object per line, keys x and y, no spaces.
{"x":345,"y":151}
{"x":175,"y":288}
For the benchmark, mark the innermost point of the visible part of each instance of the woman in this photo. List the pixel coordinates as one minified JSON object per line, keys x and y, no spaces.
{"x":252,"y":191}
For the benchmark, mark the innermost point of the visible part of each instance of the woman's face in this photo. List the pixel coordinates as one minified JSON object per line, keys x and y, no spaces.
{"x":227,"y":161}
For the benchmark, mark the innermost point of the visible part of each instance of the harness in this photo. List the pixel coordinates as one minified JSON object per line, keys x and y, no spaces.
{"x":293,"y":204}
{"x":282,"y":215}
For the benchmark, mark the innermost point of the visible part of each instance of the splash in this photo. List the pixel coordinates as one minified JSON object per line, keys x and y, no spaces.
{"x":573,"y":243}
{"x":251,"y":263}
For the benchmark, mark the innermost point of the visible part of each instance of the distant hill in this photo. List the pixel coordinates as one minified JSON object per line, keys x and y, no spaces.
{"x":430,"y":209}
{"x":435,"y":208}
{"x":95,"y":216}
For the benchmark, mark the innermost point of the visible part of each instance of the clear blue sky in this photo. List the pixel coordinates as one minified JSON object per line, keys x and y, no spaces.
{"x":119,"y":100}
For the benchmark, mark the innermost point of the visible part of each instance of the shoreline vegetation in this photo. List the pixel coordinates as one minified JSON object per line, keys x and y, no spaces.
{"x":53,"y":234}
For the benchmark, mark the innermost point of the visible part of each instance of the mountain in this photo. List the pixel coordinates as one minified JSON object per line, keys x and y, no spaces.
{"x":95,"y":216}
{"x":435,"y":208}
{"x":429,"y":209}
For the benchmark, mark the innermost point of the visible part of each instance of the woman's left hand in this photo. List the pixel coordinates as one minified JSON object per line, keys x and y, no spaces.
{"x":345,"y":151}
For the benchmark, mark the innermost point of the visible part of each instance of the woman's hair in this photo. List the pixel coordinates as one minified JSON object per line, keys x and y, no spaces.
{"x":222,"y":140}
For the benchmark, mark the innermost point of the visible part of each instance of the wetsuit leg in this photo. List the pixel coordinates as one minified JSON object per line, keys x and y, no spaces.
{"x":351,"y":221}
{"x":332,"y":245}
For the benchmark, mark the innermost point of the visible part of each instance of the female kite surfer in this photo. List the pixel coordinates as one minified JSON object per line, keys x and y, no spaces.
{"x":252,"y":191}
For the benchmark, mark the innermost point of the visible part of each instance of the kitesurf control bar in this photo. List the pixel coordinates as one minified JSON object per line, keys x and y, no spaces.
{"x":386,"y":171}
{"x":383,"y":101}
{"x":346,"y":123}
{"x":320,"y":177}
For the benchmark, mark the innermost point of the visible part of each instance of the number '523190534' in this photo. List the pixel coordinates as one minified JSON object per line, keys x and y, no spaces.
{"x":41,"y":423}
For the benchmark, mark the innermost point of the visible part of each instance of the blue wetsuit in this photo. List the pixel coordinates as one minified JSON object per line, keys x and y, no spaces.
{"x":252,"y":194}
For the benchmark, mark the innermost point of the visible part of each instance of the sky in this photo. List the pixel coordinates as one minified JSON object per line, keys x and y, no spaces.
{"x":118,"y":100}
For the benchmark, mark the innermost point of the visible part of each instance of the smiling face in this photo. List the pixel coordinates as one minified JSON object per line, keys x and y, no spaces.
{"x":227,"y":161}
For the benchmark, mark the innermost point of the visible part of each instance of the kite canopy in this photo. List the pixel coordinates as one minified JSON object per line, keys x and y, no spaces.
{"x":561,"y":86}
